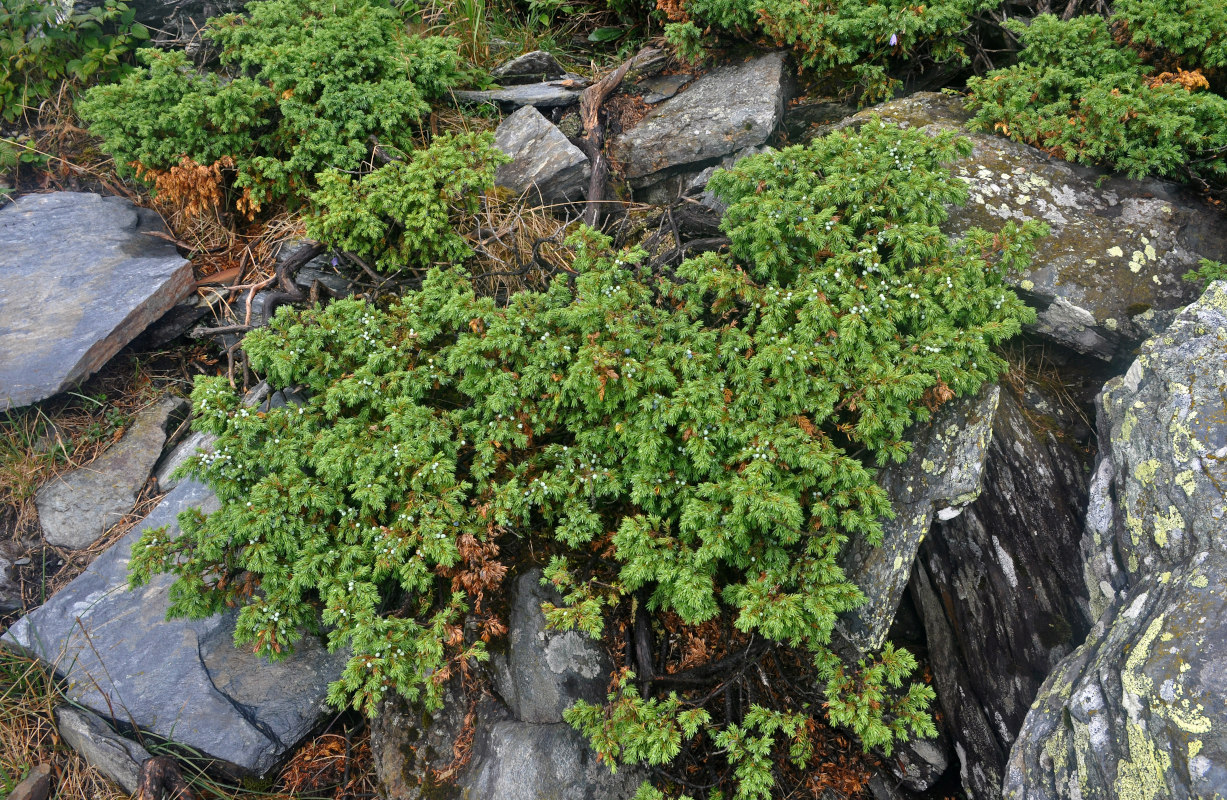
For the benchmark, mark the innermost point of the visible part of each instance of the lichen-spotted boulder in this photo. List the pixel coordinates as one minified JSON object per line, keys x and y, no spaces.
{"x":1139,"y":710}
{"x":1112,"y":268}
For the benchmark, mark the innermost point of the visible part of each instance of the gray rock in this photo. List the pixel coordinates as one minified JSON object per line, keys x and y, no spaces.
{"x":531,"y":67}
{"x":728,"y":109}
{"x":413,"y":750}
{"x":182,"y":680}
{"x":1000,"y":592}
{"x":542,"y":158}
{"x":10,"y":588}
{"x":940,"y":476}
{"x":1139,"y":710}
{"x":520,"y":761}
{"x":76,"y":509}
{"x":541,"y":95}
{"x":115,"y":756}
{"x":34,"y":786}
{"x":545,"y":671}
{"x":659,"y":88}
{"x":1118,"y":249}
{"x":79,"y":279}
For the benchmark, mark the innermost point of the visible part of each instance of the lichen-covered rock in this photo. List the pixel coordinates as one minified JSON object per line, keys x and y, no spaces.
{"x":1000,"y":590}
{"x":522,"y":750}
{"x":730,"y":108}
{"x":1118,"y":248}
{"x":1139,"y":711}
{"x":542,"y":159}
{"x":940,"y":476}
{"x":545,"y":671}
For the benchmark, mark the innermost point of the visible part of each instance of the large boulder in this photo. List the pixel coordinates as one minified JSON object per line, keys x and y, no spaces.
{"x":1139,"y":710}
{"x":521,"y":748}
{"x":999,"y":587}
{"x":542,"y":159}
{"x":77,"y":508}
{"x":729,"y":109}
{"x":79,"y":278}
{"x":1114,"y":262}
{"x":182,"y":680}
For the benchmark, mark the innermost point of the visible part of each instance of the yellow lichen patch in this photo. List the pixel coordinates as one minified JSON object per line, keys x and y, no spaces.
{"x":1194,"y":748}
{"x":1200,"y":581}
{"x":1167,"y":523}
{"x":1145,"y":472}
{"x":1136,"y":529}
{"x":1187,"y":480}
{"x":1116,"y":252}
{"x":1141,"y":777}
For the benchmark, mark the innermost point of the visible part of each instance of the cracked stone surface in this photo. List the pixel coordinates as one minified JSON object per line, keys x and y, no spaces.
{"x":1139,"y":710}
{"x":181,"y":679}
{"x":940,"y":476}
{"x":79,"y":279}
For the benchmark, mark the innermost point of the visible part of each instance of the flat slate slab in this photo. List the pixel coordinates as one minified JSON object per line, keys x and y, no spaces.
{"x":541,"y":95}
{"x":76,"y":509}
{"x":182,"y":680}
{"x":79,"y":279}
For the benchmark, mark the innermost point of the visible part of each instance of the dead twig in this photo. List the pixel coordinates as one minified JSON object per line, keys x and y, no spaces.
{"x":593,"y":143}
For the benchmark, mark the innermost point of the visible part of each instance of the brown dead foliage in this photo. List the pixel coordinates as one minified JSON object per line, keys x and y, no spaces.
{"x":1189,"y":80}
{"x":331,"y":761}
{"x":672,"y":9}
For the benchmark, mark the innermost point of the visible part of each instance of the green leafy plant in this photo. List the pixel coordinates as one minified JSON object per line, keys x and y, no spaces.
{"x":318,"y":80}
{"x":1080,"y":95}
{"x":41,"y":48}
{"x":711,"y":430}
{"x":1207,"y":272}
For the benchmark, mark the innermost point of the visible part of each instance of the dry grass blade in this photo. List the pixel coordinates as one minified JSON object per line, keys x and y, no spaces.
{"x":518,"y":245}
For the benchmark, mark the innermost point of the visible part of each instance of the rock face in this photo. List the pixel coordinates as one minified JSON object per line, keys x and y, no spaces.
{"x":729,"y":109}
{"x":1118,"y":248}
{"x":542,"y":158}
{"x":941,"y":475}
{"x":522,"y":750}
{"x":544,"y":671}
{"x":113,"y":755}
{"x":79,"y":279}
{"x":533,"y":67}
{"x":1000,"y":591}
{"x":78,"y":508}
{"x":182,"y":679}
{"x":1140,"y":709}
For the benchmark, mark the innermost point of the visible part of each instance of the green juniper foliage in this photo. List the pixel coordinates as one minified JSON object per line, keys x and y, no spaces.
{"x":316,"y":79}
{"x":1079,"y":94}
{"x":720,"y":420}
{"x":406,"y":213}
{"x":851,"y":39}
